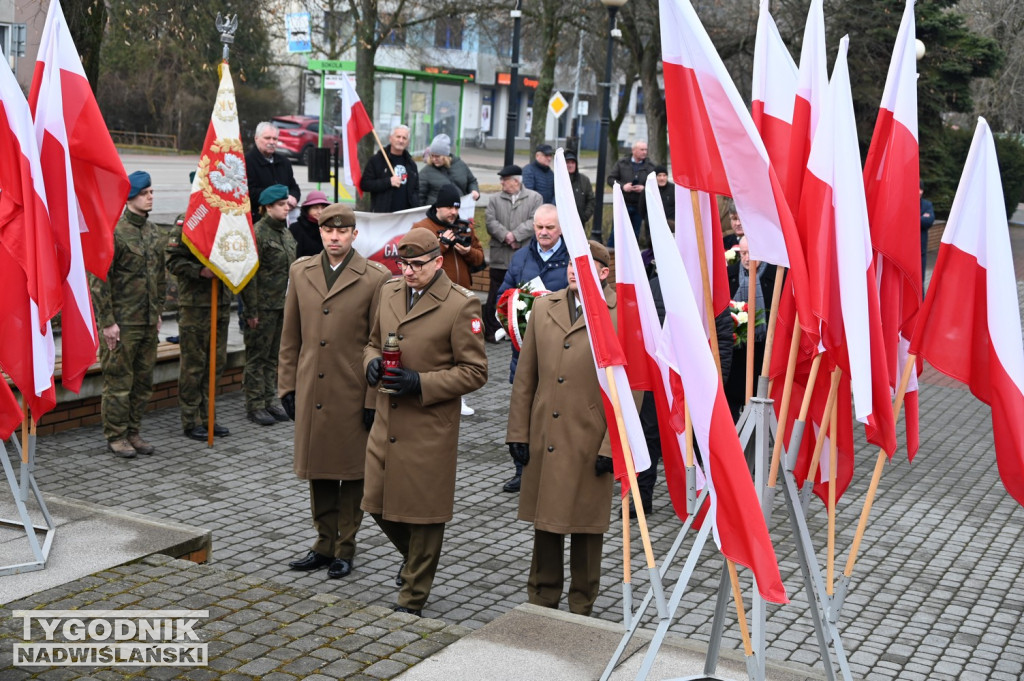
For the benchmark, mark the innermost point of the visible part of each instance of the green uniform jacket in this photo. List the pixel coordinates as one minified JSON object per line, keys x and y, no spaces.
{"x":276,"y":246}
{"x":193,"y":289}
{"x":136,"y":274}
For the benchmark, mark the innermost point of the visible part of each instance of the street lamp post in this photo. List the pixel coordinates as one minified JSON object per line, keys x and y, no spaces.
{"x":606,"y":117}
{"x":512,"y":119}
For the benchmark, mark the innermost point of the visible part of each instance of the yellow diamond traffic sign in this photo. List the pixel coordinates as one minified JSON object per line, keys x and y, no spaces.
{"x":558,"y":104}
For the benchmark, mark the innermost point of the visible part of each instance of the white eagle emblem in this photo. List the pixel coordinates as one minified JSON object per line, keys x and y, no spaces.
{"x":229,"y":178}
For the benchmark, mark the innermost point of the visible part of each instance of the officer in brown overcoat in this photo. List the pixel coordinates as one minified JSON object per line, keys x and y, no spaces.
{"x":557,"y":428}
{"x":410,"y":458}
{"x":332,"y":298}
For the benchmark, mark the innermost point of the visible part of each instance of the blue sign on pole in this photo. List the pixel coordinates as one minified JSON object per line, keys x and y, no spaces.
{"x":299,"y":37}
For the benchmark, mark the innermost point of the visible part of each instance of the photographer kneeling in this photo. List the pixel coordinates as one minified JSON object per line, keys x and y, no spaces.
{"x":463,"y":255}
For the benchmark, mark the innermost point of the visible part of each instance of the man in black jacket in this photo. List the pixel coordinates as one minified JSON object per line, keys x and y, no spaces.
{"x":631,"y":173}
{"x":392,"y":191}
{"x":264,"y":167}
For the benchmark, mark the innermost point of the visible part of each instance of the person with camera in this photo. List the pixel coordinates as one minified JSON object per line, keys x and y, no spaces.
{"x":460,"y":247}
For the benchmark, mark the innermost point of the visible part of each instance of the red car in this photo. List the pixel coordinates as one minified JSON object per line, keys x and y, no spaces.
{"x":298,"y":137}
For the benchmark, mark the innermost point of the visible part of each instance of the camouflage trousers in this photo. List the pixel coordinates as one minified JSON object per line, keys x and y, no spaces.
{"x":127,"y":380}
{"x":261,"y":347}
{"x":194,"y":371}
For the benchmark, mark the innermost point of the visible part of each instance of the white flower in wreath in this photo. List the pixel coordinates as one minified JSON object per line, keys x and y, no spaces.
{"x":528,"y":316}
{"x":741,"y":318}
{"x":520,"y":304}
{"x":731,"y":255}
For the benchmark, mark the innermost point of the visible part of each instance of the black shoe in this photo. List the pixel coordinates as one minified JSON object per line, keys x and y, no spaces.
{"x":513,"y":484}
{"x":220,"y":431}
{"x":197,"y":433}
{"x":278,"y":413}
{"x":339,"y":568}
{"x":261,"y":417}
{"x":418,"y":613}
{"x":398,"y":578}
{"x":312,"y":561}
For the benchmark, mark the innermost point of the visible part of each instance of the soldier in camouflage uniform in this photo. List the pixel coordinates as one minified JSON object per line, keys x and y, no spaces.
{"x":128,"y":306}
{"x":195,"y":291}
{"x":263,"y":298}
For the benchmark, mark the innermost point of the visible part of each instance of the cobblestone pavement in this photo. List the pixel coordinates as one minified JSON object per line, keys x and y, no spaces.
{"x":938,"y":592}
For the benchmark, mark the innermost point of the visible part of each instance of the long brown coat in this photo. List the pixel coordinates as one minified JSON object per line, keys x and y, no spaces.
{"x":411,"y":455}
{"x":556,"y":407}
{"x":321,"y":360}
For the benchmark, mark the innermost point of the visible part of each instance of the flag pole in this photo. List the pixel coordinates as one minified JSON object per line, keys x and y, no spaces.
{"x":741,"y":615}
{"x":796,"y":436}
{"x":877,"y":475}
{"x":773,"y":320}
{"x":709,"y":306}
{"x":24,"y":431}
{"x":212,"y":381}
{"x":830,"y":405}
{"x":627,"y":585}
{"x":751,"y":325}
{"x":691,"y":472}
{"x":787,"y":392}
{"x":833,"y":463}
{"x":627,"y":455}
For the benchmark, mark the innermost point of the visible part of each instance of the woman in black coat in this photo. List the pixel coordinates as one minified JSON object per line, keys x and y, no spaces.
{"x":306,"y":229}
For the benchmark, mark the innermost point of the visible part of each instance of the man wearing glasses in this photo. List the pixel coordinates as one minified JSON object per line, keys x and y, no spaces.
{"x":409,"y":483}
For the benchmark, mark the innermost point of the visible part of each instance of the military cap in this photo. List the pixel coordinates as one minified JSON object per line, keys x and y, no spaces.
{"x":139,"y":180}
{"x":273,"y":193}
{"x":419,"y":241}
{"x":510,"y":171}
{"x":599,"y":253}
{"x":337,"y":215}
{"x":448,"y":197}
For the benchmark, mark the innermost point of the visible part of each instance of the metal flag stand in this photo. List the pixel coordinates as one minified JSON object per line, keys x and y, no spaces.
{"x":19,"y":491}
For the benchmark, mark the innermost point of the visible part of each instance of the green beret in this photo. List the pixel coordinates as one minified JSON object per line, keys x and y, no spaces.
{"x":273,"y":193}
{"x":419,"y":241}
{"x":599,"y":253}
{"x":337,"y":215}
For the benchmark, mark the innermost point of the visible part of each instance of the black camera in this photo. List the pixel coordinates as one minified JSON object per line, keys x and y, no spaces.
{"x":463,"y":234}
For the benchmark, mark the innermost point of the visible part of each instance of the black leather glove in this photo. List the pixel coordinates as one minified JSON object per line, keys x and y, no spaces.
{"x":288,"y":403}
{"x":603,"y":465}
{"x":373,"y":371}
{"x":402,"y":381}
{"x":520,"y":452}
{"x":368,"y":415}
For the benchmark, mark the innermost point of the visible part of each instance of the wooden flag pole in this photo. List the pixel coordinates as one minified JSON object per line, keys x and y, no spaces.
{"x":709,"y":305}
{"x":691,"y":474}
{"x":627,"y":454}
{"x":741,"y":614}
{"x":627,"y":577}
{"x":876,"y":476}
{"x":833,"y":463}
{"x":773,"y":320}
{"x":830,"y":405}
{"x":382,"y":152}
{"x":212,"y":381}
{"x":787,"y":392}
{"x":25,"y":424}
{"x":751,"y":326}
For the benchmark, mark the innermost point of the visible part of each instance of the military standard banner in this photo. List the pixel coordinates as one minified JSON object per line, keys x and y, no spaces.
{"x":218,"y":225}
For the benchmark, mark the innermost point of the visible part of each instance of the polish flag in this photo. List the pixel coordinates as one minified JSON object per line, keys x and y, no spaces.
{"x":811,"y":87}
{"x":843,"y":267}
{"x":969,"y":325}
{"x":219,"y":204}
{"x":891,"y":181}
{"x":716,"y":147}
{"x":773,"y":92}
{"x":356,"y":123}
{"x":86,"y":186}
{"x":686,"y":241}
{"x":10,"y":411}
{"x":604,"y":342}
{"x":640,"y":332}
{"x":742,"y":536}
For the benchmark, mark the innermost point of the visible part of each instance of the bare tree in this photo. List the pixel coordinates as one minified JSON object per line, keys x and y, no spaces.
{"x":998,"y":98}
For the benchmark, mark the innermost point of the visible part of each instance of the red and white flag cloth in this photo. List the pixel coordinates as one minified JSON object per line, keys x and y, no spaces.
{"x":218,"y":223}
{"x":604,"y":342}
{"x":843,"y":269}
{"x":10,"y":411}
{"x":741,"y":535}
{"x":29,"y":271}
{"x":686,"y":240}
{"x":640,"y":333}
{"x":716,"y":147}
{"x":891,"y":182}
{"x":379,"y":234}
{"x":355,"y":123}
{"x":969,"y":326}
{"x":773,"y":91}
{"x":86,"y":186}
{"x":812,"y":84}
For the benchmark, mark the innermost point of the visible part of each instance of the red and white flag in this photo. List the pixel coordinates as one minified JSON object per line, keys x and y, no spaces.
{"x":640,"y":333}
{"x":355,"y":123}
{"x":773,"y":91}
{"x":29,"y":271}
{"x":716,"y":147}
{"x":10,"y":411}
{"x":218,"y":223}
{"x":686,"y":240}
{"x":969,"y":325}
{"x":891,"y":182}
{"x":86,"y":186}
{"x":812,"y":83}
{"x":604,"y":342}
{"x":842,"y":270}
{"x":741,"y":535}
